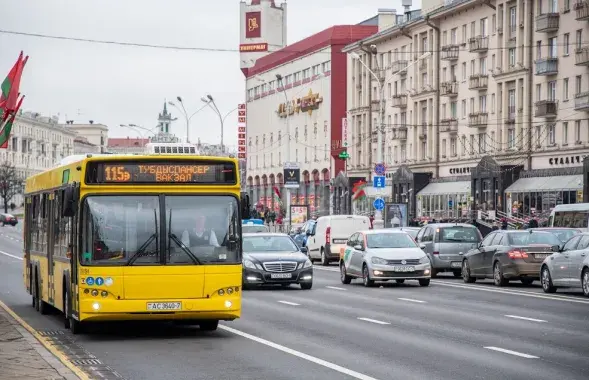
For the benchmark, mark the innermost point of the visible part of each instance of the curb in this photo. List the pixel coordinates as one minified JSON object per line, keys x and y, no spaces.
{"x":30,"y":334}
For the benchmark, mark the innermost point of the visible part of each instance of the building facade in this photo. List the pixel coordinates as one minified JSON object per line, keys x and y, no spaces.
{"x":295,"y":102}
{"x":492,"y":123}
{"x":96,"y":134}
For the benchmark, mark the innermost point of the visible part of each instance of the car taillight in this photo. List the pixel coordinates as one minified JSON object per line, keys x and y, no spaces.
{"x":327,"y":235}
{"x":515,"y":254}
{"x":435,"y":252}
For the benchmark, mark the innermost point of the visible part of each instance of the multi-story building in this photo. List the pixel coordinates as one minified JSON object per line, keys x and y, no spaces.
{"x":96,"y":134}
{"x":83,"y":146}
{"x":36,"y":143}
{"x":296,"y":101}
{"x":493,"y":120}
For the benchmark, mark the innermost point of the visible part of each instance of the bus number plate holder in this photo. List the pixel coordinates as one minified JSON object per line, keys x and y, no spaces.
{"x":164,"y":306}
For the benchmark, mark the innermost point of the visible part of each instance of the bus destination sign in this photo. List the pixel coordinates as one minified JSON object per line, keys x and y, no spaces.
{"x":150,"y":172}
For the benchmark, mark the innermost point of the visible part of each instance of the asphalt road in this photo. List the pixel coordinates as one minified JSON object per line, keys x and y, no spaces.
{"x":448,"y":331}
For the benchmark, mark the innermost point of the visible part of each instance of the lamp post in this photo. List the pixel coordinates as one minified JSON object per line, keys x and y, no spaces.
{"x":287,"y":158}
{"x":379,"y":153}
{"x":210,"y":101}
{"x":186,"y":116}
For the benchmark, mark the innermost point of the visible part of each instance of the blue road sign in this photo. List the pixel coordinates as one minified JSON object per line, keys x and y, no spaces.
{"x":89,"y":281}
{"x":380,"y":169}
{"x":99,"y":281}
{"x":378,"y":204}
{"x":450,"y":203}
{"x":378,"y":181}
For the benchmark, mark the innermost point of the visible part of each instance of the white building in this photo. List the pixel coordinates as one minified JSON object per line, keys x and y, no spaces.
{"x":296,"y":97}
{"x":494,"y":120}
{"x":83,"y":146}
{"x":36,"y":143}
{"x":96,"y":134}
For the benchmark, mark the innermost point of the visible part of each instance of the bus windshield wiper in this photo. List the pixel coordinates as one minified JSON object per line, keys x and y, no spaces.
{"x":184,"y":248}
{"x":141,"y":251}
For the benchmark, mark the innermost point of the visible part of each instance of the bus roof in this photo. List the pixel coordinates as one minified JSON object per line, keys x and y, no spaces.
{"x":572,"y":207}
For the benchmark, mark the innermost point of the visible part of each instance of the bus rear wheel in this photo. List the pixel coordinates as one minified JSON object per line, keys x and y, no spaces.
{"x":208,"y":325}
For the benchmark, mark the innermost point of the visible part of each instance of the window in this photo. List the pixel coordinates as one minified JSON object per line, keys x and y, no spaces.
{"x":484,"y":26}
{"x":453,"y":36}
{"x":578,"y":84}
{"x":326,"y":66}
{"x":538,"y":49}
{"x":551,"y":91}
{"x":463,"y":108}
{"x":565,"y":89}
{"x":579,"y":39}
{"x":565,"y":44}
{"x":577,"y":130}
{"x":463,"y":70}
{"x":511,"y":138}
{"x":483,"y":103}
{"x":512,"y":20}
{"x":471,"y":145}
{"x":552,"y":134}
{"x":565,"y":133}
{"x":306,"y":74}
{"x":512,"y":57}
{"x":552,"y":47}
{"x":464,"y":33}
{"x":453,"y":147}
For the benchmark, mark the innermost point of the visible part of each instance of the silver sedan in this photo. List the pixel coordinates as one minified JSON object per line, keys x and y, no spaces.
{"x":568,"y":268}
{"x":383,"y":255}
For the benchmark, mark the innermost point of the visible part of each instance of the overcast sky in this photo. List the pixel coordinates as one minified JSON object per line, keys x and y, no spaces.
{"x":116,"y":85}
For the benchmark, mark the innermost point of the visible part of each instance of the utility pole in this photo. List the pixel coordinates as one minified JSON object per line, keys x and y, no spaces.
{"x":287,"y":158}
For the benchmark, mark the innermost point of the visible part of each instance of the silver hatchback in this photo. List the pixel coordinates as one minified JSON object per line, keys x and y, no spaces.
{"x":446,"y":244}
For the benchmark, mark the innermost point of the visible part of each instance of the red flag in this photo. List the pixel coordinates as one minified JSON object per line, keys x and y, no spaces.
{"x":7,"y":127}
{"x":10,"y":87}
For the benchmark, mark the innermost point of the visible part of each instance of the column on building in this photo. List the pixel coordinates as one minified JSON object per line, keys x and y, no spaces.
{"x":325,"y":191}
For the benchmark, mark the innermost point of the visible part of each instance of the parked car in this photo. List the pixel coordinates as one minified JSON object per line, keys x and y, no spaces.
{"x":568,"y":268}
{"x":383,"y":255}
{"x":506,"y":255}
{"x":412,"y":231}
{"x":301,"y":235}
{"x":562,"y":233}
{"x":447,"y":243}
{"x":8,"y":219}
{"x":274,"y":258}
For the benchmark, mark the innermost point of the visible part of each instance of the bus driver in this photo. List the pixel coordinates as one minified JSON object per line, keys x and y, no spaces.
{"x":200,"y":235}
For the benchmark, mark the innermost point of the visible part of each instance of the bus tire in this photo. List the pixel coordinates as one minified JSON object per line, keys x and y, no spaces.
{"x":42,"y":307}
{"x":76,"y":327}
{"x":208,"y":325}
{"x":66,"y":307}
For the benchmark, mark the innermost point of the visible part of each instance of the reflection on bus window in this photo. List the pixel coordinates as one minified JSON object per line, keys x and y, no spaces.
{"x":574,"y":219}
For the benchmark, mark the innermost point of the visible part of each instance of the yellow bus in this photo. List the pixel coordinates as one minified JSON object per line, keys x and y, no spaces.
{"x":135,"y":237}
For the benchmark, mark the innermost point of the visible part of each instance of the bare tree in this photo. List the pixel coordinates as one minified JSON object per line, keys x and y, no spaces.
{"x":11,"y":183}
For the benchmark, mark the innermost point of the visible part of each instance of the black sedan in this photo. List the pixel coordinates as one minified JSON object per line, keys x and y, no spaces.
{"x":275,"y":259}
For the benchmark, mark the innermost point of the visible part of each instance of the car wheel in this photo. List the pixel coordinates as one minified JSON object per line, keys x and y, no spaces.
{"x":324,"y":259}
{"x":466,"y":273}
{"x":546,"y":281}
{"x":424,"y":281}
{"x":585,"y":282}
{"x":498,"y":278}
{"x":306,"y":285}
{"x":457,"y":273}
{"x":345,"y":279}
{"x":366,"y":280}
{"x":527,"y":281}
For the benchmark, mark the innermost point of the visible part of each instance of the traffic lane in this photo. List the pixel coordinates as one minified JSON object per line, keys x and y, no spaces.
{"x":559,"y":308}
{"x":10,"y":242}
{"x":385,"y":348}
{"x":559,"y":344}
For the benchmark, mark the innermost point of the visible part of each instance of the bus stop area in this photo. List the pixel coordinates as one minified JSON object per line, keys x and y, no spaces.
{"x":23,"y":357}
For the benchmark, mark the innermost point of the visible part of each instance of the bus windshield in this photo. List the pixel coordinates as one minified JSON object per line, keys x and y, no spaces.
{"x":131,"y":230}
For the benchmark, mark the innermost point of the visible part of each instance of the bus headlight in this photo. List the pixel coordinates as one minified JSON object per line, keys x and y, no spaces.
{"x":96,"y":306}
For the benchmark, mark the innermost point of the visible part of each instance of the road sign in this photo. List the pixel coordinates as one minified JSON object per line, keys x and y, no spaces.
{"x":378,"y":181}
{"x":344,"y":155}
{"x":378,"y":204}
{"x":450,"y":203}
{"x":380,"y":169}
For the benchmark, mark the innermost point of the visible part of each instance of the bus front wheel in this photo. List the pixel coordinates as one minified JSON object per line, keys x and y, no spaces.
{"x":208,"y":325}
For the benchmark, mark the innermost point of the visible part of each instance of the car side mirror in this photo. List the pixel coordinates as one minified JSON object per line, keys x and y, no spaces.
{"x":304,"y":249}
{"x":358,"y":247}
{"x":422,"y":246}
{"x":556,"y":248}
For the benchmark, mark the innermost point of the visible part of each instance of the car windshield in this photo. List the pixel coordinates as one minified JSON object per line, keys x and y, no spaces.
{"x":533,"y":238}
{"x":388,"y":240}
{"x":130,"y":230}
{"x":562,"y":234}
{"x":249,"y":228}
{"x":268,"y":243}
{"x":461,"y":234}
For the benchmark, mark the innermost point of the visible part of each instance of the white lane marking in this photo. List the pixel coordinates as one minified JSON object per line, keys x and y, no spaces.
{"x":326,"y":269}
{"x":373,"y":321}
{"x":411,"y":300}
{"x":290,"y":351}
{"x":335,"y":288}
{"x":515,"y":293}
{"x":290,"y":303}
{"x":520,"y":354}
{"x":9,"y":255}
{"x":526,"y":318}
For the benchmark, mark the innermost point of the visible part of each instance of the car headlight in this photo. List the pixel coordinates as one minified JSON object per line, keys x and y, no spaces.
{"x":308,"y":264}
{"x":378,"y":260}
{"x":424,"y":260}
{"x":249,"y":264}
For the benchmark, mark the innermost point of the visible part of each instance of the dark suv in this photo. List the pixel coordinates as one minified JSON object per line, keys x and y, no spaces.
{"x":8,"y":219}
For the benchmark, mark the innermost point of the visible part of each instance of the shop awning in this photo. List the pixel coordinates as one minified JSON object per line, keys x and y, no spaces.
{"x":446,"y":188}
{"x":555,"y":183}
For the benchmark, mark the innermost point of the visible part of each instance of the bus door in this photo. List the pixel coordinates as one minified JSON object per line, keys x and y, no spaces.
{"x":53,"y":228}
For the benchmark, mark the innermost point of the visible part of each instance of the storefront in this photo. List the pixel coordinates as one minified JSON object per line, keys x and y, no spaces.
{"x":342,"y":194}
{"x":445,"y":198}
{"x":406,"y":186}
{"x":489,"y":180}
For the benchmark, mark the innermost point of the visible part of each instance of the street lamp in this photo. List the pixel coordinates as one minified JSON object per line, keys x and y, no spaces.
{"x":186,"y":117}
{"x":379,"y":152}
{"x":279,"y":78}
{"x":209,"y":101}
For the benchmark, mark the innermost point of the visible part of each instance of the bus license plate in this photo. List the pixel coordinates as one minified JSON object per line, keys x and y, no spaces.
{"x":404,"y":269}
{"x":281,"y":275}
{"x":162,"y":306}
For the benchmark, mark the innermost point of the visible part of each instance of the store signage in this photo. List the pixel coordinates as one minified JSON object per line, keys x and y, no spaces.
{"x":465,"y":170}
{"x":345,"y":131}
{"x":241,"y":131}
{"x":307,"y":103}
{"x":250,"y":48}
{"x":292,"y":175}
{"x":253,"y":24}
{"x":567,"y":160}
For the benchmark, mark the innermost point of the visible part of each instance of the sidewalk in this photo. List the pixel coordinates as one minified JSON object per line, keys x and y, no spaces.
{"x":23,"y":357}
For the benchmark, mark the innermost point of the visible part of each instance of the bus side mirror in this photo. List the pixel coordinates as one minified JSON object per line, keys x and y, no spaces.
{"x":71,"y":197}
{"x":245,"y":207}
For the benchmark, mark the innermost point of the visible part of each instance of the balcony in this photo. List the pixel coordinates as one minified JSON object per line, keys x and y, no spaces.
{"x":547,"y":22}
{"x":510,"y":115}
{"x":449,"y":89}
{"x":423,"y":65}
{"x":450,"y":52}
{"x":582,"y":9}
{"x":478,"y":119}
{"x":547,"y":66}
{"x":478,"y":44}
{"x":582,"y":56}
{"x":478,"y":82}
{"x":582,"y":101}
{"x":399,"y":67}
{"x":401,"y":133}
{"x":449,"y":124}
{"x":546,"y":108}
{"x":423,"y":131}
{"x":400,"y":101}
